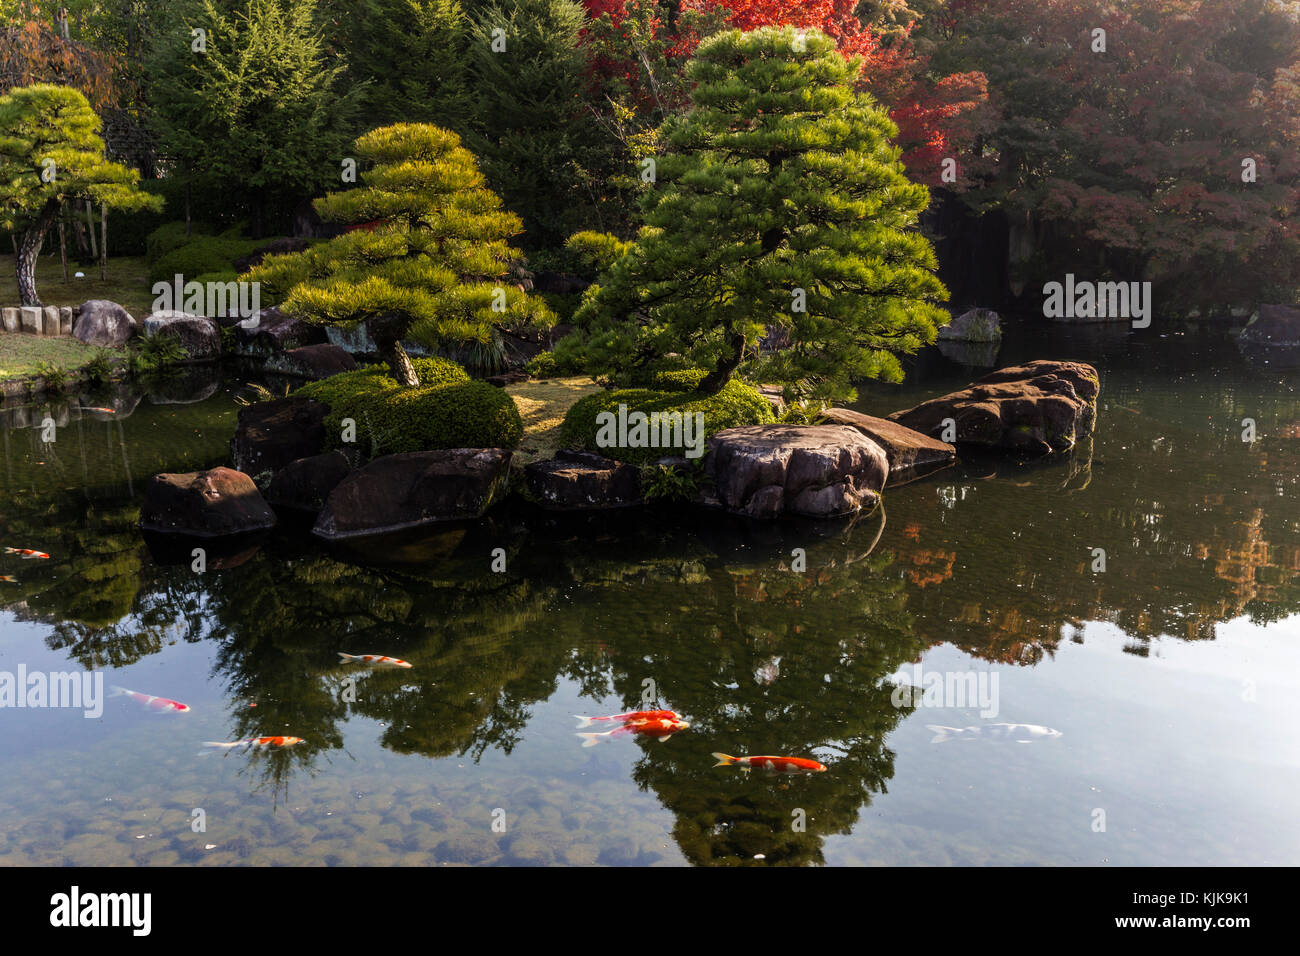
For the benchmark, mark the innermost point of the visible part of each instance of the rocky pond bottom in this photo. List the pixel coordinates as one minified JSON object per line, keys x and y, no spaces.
{"x":1138,"y":595}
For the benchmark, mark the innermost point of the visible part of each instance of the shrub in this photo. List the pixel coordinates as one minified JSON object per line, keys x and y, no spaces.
{"x":737,"y":404}
{"x":668,"y":374}
{"x":597,"y":251}
{"x":100,"y":367}
{"x":170,"y":236}
{"x":54,"y":377}
{"x":542,"y":365}
{"x":468,"y":415}
{"x":155,"y":353}
{"x":205,"y":254}
{"x":347,"y":393}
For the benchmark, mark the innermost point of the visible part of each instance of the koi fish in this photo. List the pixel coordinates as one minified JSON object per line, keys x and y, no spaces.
{"x":632,"y":716}
{"x":662,"y":727}
{"x":374,"y":659}
{"x":779,"y":764}
{"x":92,"y":408}
{"x":159,"y":704}
{"x":262,"y":742}
{"x":1021,"y":733}
{"x":8,"y":579}
{"x":26,"y":553}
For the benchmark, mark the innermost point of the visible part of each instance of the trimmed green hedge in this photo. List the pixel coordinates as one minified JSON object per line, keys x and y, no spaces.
{"x":171,"y":236}
{"x":446,"y":410}
{"x":668,"y":374}
{"x":737,"y":404}
{"x":201,"y":255}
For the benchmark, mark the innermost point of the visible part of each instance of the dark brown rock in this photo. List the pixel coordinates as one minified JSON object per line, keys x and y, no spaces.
{"x":910,"y":453}
{"x":204,"y":504}
{"x":272,"y":331}
{"x":818,"y":471}
{"x":413,"y":489}
{"x":270,"y":435}
{"x":305,"y":484}
{"x":1035,"y":408}
{"x":198,"y":336}
{"x":101,"y":322}
{"x":312,"y":362}
{"x":583,"y":481}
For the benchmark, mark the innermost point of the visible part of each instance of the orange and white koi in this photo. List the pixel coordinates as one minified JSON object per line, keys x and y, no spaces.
{"x":662,"y":727}
{"x":631,"y":716}
{"x":159,"y":704}
{"x":26,"y":553}
{"x":374,"y":659}
{"x":92,"y":408}
{"x":779,"y":764}
{"x":8,"y":579}
{"x":261,"y":742}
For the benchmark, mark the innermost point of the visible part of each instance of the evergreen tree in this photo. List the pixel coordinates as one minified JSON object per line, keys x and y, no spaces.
{"x":51,"y":153}
{"x":530,"y":124}
{"x":253,"y":108}
{"x":427,"y":260}
{"x":780,"y":204}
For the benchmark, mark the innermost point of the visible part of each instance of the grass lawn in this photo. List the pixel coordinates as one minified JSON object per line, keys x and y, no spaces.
{"x":542,"y":405}
{"x":127,"y":283}
{"x":19,"y":353}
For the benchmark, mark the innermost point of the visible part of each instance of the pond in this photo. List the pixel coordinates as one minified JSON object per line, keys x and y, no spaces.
{"x":1140,"y":596}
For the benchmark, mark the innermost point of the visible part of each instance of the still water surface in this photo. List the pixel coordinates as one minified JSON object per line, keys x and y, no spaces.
{"x":1173,"y":676}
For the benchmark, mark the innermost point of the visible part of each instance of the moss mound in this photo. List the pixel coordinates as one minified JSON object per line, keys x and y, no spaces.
{"x":737,"y":404}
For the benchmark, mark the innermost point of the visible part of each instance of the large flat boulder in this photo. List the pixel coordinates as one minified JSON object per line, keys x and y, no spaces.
{"x":413,"y":489}
{"x":1035,"y":408}
{"x":204,"y":504}
{"x":270,"y":435}
{"x":910,"y":453}
{"x":816,"y":471}
{"x":305,"y":484}
{"x":199,"y":336}
{"x":312,"y":362}
{"x":101,"y":322}
{"x":583,"y":481}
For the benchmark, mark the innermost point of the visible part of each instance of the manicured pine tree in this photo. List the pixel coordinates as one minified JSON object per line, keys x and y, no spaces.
{"x":780,"y":204}
{"x":428,"y":261}
{"x":51,"y":153}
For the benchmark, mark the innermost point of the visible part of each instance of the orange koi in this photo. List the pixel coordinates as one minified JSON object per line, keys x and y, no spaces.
{"x":374,"y":659}
{"x":159,"y":704}
{"x":262,"y":742}
{"x":779,"y":764}
{"x":662,"y":727}
{"x":26,"y":553}
{"x":92,"y":408}
{"x":8,"y":579}
{"x":631,"y":716}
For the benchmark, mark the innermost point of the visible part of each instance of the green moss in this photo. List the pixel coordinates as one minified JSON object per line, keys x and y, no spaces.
{"x":737,"y":404}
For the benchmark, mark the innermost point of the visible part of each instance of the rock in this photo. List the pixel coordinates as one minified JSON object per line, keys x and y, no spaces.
{"x":101,"y":322}
{"x":184,"y":385}
{"x":354,"y":341}
{"x":50,"y":320}
{"x":1034,"y":408}
{"x":975,"y":325}
{"x":65,"y":320}
{"x":204,"y":504}
{"x":9,"y":319}
{"x":272,"y":331}
{"x":909,"y":452}
{"x":30,"y":319}
{"x":412,"y":489}
{"x":774,"y":396}
{"x":972,"y":354}
{"x":270,"y":435}
{"x":305,"y":484}
{"x":508,"y":378}
{"x":312,"y":361}
{"x":583,"y":481}
{"x":199,"y":336}
{"x":817,"y":471}
{"x":1275,"y":326}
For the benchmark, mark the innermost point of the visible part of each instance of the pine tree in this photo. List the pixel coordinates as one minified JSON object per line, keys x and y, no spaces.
{"x":427,"y":260}
{"x":51,"y":153}
{"x":780,"y":206}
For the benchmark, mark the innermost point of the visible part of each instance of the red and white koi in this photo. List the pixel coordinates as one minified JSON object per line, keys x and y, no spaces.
{"x":662,"y":727}
{"x":631,"y":716}
{"x":26,"y":553}
{"x":158,"y":704}
{"x":779,"y":764}
{"x":262,"y":743}
{"x":374,"y":659}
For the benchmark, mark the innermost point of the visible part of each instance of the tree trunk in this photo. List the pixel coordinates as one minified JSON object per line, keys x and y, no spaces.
{"x":103,"y":241}
{"x":90,"y":231}
{"x":387,"y":331}
{"x":721,"y":374}
{"x":30,"y":248}
{"x":63,"y":246}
